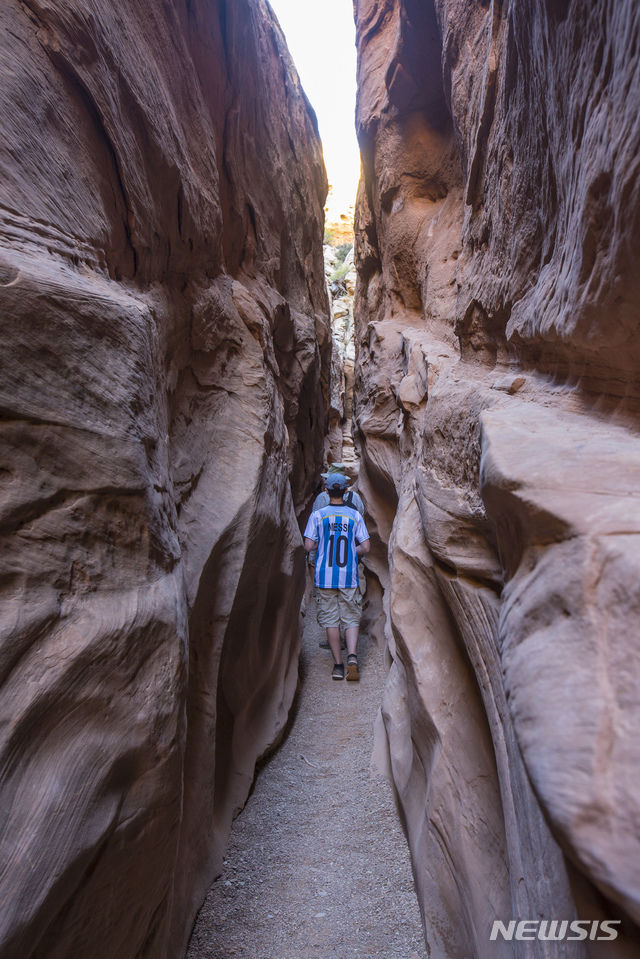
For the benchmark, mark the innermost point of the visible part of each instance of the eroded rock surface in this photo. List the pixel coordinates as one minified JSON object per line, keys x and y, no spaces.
{"x":496,"y":405}
{"x":165,"y":369}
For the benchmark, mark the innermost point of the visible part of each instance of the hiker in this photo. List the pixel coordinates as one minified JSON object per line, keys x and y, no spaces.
{"x":351,"y":498}
{"x":339,"y":535}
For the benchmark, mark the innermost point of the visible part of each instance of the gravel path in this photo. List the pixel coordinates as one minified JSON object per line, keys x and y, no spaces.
{"x":317,"y":865}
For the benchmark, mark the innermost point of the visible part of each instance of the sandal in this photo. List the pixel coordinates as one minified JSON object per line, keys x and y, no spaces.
{"x":352,"y":668}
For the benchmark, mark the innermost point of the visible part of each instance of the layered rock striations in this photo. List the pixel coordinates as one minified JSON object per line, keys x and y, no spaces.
{"x":497,"y":229}
{"x":165,"y":368}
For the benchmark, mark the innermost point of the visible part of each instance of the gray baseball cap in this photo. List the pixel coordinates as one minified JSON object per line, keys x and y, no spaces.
{"x":334,"y":468}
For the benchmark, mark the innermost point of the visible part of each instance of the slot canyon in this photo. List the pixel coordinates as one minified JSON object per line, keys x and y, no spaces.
{"x":171,"y":390}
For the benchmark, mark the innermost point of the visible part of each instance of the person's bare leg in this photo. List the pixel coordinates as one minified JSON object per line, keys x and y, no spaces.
{"x":351,"y":633}
{"x":333,"y":638}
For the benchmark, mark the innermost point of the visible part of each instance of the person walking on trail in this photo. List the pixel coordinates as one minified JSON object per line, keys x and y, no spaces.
{"x":339,"y":535}
{"x":351,"y":497}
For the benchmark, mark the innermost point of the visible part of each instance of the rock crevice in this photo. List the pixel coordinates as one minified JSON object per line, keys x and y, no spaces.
{"x":165,"y":391}
{"x":494,"y":336}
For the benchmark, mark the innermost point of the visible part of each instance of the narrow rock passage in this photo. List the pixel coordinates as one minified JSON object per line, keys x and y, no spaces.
{"x":317,"y":865}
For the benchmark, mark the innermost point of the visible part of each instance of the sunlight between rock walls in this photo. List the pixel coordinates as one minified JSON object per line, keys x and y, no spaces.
{"x":165,"y":365}
{"x":497,"y":355}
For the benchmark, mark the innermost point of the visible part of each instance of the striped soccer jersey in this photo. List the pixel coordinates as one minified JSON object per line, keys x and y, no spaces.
{"x":336,"y":530}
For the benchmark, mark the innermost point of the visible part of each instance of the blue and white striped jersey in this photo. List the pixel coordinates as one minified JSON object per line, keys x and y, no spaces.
{"x":336,"y":530}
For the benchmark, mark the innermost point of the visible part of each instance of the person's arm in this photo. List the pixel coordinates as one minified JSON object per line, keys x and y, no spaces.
{"x":311,"y":533}
{"x":362,"y":535}
{"x":363,"y":548}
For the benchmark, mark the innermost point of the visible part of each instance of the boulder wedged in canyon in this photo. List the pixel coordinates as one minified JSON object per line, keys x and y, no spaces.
{"x":165,"y":370}
{"x":496,"y":407}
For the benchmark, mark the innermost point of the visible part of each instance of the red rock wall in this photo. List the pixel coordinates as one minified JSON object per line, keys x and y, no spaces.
{"x":498,"y":226}
{"x":164,"y":381}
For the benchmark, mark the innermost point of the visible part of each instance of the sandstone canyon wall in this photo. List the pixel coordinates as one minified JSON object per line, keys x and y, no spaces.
{"x":498,"y":235}
{"x":165,"y":367}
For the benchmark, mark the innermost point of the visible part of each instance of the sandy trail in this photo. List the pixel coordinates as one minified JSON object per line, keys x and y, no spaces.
{"x":317,"y":865}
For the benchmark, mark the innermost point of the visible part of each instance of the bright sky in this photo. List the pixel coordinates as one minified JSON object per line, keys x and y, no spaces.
{"x":321,"y":38}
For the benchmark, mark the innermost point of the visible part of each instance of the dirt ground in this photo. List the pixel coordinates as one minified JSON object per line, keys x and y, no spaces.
{"x":317,"y":865}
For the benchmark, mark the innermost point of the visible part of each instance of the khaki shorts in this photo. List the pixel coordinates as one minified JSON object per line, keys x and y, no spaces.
{"x":339,"y":607}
